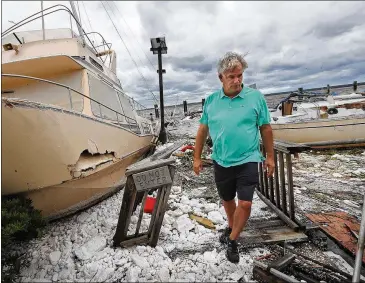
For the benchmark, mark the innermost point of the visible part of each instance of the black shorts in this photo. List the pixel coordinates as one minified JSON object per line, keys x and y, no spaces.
{"x":241,"y":180}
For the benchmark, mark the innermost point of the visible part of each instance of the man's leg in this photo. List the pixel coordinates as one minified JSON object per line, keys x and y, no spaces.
{"x":230,"y":208}
{"x":226,"y":184}
{"x":247,"y":180}
{"x":241,"y":215}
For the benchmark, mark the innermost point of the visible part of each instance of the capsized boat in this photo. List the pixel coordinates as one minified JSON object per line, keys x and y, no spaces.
{"x":320,"y":120}
{"x":68,"y":128}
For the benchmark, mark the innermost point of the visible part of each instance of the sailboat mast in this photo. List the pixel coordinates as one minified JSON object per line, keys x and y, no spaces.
{"x":77,"y":18}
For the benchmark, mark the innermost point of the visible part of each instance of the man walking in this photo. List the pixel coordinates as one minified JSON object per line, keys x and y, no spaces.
{"x":235,"y":116}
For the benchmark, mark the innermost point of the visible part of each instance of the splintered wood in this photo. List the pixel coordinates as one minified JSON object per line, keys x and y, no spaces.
{"x":340,"y":226}
{"x":141,"y":179}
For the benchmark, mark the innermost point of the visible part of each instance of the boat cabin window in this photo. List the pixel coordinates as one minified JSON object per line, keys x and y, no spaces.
{"x":106,"y":95}
{"x":96,"y":64}
{"x":127,"y":107}
{"x":47,"y":92}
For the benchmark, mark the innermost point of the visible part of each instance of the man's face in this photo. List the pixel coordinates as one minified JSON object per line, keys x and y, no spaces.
{"x":232,"y":80}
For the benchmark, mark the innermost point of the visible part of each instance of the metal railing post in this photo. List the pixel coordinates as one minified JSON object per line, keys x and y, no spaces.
{"x":79,"y":93}
{"x":116,"y":113}
{"x":360,"y":246}
{"x":101,"y":115}
{"x":70,"y":97}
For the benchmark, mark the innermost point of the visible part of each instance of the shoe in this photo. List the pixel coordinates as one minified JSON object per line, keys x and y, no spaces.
{"x":224,"y":237}
{"x":232,"y":251}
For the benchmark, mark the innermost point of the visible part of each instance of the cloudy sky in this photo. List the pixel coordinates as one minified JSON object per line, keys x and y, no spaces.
{"x":289,"y":44}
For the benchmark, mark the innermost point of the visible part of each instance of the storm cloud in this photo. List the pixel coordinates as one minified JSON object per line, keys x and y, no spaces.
{"x":289,"y":44}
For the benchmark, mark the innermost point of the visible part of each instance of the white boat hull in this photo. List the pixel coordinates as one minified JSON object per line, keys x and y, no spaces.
{"x":62,"y":159}
{"x":321,"y":130}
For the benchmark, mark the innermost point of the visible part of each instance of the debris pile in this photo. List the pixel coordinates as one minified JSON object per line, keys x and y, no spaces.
{"x":79,"y":248}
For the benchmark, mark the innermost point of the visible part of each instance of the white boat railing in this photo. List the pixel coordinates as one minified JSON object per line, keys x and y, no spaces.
{"x":42,"y":14}
{"x":132,"y":124}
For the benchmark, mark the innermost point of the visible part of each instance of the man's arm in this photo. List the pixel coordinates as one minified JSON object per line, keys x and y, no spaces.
{"x":201,"y":137}
{"x":268,"y":141}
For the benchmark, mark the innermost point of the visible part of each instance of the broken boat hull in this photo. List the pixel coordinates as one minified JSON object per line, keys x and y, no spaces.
{"x":62,"y":159}
{"x":349,"y":129}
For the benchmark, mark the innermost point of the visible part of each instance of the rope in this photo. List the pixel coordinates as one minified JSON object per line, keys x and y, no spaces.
{"x":88,"y":19}
{"x":135,"y":37}
{"x":129,"y":52}
{"x":110,"y":7}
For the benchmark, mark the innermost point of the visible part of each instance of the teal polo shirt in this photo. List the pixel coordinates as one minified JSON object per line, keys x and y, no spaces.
{"x":234,"y":125}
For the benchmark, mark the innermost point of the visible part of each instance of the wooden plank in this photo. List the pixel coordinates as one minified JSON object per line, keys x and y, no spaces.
{"x":276,"y":175}
{"x":289,"y":171}
{"x":261,"y":275}
{"x":287,"y":147}
{"x":265,"y":224}
{"x":282,"y":183}
{"x":333,"y":224}
{"x":271,"y":187}
{"x":264,"y":174}
{"x":281,"y":214}
{"x":125,"y":212}
{"x":261,"y":179}
{"x":141,"y":213}
{"x":283,"y":235}
{"x":155,"y":210}
{"x":134,"y":241}
{"x":153,"y":178}
{"x":139,"y":167}
{"x":282,"y":262}
{"x":167,"y":151}
{"x":157,"y":228}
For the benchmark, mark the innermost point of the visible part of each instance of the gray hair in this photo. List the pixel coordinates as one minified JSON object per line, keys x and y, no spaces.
{"x":230,"y":60}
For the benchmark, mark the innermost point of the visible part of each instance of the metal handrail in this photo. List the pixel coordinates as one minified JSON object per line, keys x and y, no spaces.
{"x":69,"y":93}
{"x":21,"y":23}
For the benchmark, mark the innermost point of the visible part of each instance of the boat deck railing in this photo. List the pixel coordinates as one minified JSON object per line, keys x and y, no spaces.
{"x":128,"y":123}
{"x":104,"y":46}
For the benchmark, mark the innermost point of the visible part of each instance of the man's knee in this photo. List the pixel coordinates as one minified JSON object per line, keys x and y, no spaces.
{"x":228,"y":202}
{"x":245,"y":205}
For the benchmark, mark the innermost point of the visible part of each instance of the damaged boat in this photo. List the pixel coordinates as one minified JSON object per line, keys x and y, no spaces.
{"x":69,"y":131}
{"x":320,"y":120}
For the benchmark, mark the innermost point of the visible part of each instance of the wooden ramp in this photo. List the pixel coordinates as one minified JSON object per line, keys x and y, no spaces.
{"x":261,"y":231}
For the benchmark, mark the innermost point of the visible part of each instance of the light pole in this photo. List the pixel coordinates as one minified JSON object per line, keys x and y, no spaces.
{"x":159,"y":47}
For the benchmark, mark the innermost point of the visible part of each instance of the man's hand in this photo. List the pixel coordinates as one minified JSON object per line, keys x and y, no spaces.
{"x":269,"y":166}
{"x":197,"y":165}
{"x":201,"y":136}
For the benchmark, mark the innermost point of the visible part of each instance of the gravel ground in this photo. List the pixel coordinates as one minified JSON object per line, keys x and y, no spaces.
{"x":79,"y":248}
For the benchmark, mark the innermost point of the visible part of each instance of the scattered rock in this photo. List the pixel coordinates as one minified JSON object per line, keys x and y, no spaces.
{"x":164,"y":274}
{"x":133,"y":274}
{"x":83,"y":217}
{"x":93,"y":246}
{"x":54,"y":257}
{"x":216,"y":217}
{"x":183,"y":224}
{"x":140,"y":261}
{"x":103,"y":274}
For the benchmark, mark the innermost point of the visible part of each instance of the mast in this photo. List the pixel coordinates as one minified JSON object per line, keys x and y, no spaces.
{"x":78,"y":25}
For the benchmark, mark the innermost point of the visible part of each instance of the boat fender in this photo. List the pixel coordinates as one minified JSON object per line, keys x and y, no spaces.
{"x":332,"y":111}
